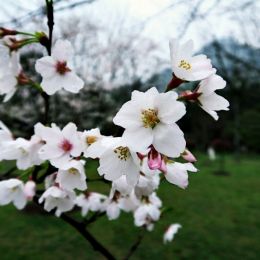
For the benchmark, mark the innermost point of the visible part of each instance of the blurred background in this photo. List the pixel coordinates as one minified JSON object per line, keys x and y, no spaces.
{"x":120,"y":46}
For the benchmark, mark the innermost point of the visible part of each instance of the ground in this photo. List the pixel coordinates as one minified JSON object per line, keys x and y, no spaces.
{"x":220,"y":215}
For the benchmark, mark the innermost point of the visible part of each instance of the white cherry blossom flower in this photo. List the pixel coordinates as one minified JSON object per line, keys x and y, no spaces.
{"x":50,"y":180}
{"x":209,"y":100}
{"x":148,"y":212}
{"x":145,"y":215}
{"x":72,"y":176}
{"x":25,"y":152}
{"x":60,"y":145}
{"x":113,"y":210}
{"x":149,"y":119}
{"x":177,"y":173}
{"x":5,"y":135}
{"x":129,"y":203}
{"x":147,"y":185}
{"x":187,"y":67}
{"x":9,"y":72}
{"x":92,"y":143}
{"x":91,"y":201}
{"x":55,"y":71}
{"x":55,"y":197}
{"x":170,"y":232}
{"x":119,"y":160}
{"x":29,"y":189}
{"x":122,"y":185}
{"x":12,"y":190}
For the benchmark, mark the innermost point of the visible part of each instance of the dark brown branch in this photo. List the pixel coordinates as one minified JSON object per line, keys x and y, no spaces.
{"x":93,"y":218}
{"x":80,"y":227}
{"x":135,"y":246}
{"x":50,"y":23}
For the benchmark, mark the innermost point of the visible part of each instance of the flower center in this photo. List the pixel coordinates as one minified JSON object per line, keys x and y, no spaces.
{"x":91,"y":139}
{"x":122,"y":153}
{"x":73,"y":171}
{"x":61,"y":67}
{"x":66,"y":146}
{"x":23,"y":151}
{"x":150,"y":118}
{"x":14,"y":189}
{"x":185,"y":65}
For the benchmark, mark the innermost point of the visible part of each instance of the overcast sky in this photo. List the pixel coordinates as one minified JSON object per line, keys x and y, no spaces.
{"x":163,"y":19}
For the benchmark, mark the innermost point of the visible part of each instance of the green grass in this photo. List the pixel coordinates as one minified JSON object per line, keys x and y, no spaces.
{"x":220,"y":216}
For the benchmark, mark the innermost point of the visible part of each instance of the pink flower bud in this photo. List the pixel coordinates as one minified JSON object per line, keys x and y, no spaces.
{"x":29,"y":189}
{"x":154,"y":159}
{"x":188,"y":156}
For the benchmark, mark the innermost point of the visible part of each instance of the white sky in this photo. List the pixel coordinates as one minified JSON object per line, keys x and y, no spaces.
{"x":161,"y":23}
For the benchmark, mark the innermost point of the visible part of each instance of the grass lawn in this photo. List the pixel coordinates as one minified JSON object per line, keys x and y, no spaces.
{"x":220,"y":216}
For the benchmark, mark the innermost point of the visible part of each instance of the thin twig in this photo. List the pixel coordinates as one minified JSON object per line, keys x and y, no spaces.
{"x":135,"y":246}
{"x":94,"y":217}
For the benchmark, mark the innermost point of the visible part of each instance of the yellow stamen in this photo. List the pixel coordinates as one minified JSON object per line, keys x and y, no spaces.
{"x":122,"y":153}
{"x":150,"y":118}
{"x":185,"y":65}
{"x":91,"y":139}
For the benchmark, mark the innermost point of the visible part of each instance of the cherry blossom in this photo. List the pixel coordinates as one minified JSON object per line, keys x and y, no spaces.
{"x":122,"y":185}
{"x":118,"y":160}
{"x":151,"y":147}
{"x":56,"y":72}
{"x":12,"y":190}
{"x":25,"y":152}
{"x":149,"y":119}
{"x":170,"y":232}
{"x":146,"y":185}
{"x":60,"y":145}
{"x":113,"y":209}
{"x":187,"y":67}
{"x":5,"y":135}
{"x":72,"y":176}
{"x":177,"y":173}
{"x":129,"y":203}
{"x":148,"y":212}
{"x":29,"y":189}
{"x":92,"y":143}
{"x":91,"y":201}
{"x":9,"y":71}
{"x":55,"y":197}
{"x":209,"y":100}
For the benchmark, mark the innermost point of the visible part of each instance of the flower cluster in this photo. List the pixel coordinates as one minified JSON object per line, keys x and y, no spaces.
{"x":151,"y":149}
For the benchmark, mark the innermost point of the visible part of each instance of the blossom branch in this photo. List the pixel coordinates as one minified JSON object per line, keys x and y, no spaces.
{"x":50,"y":17}
{"x":88,"y":236}
{"x":94,"y":217}
{"x":80,"y":227}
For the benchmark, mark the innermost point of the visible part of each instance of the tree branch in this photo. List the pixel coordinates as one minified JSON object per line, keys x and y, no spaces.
{"x":80,"y":227}
{"x":50,"y":23}
{"x":135,"y":246}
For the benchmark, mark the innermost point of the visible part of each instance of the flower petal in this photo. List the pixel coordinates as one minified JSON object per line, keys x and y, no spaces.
{"x":139,"y":139}
{"x":46,"y":66}
{"x":62,"y":50}
{"x":169,"y":109}
{"x":169,"y":140}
